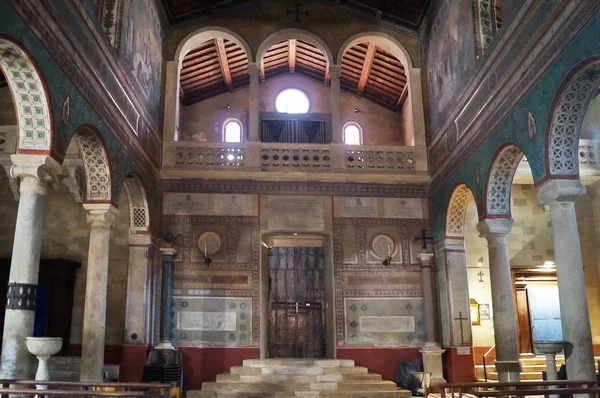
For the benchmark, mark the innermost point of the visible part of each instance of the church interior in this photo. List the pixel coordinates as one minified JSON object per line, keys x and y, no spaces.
{"x":299,"y":198}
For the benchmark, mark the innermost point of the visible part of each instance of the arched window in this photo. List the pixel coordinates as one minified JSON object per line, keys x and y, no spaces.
{"x":232,"y":130}
{"x":292,"y":100}
{"x":353,"y":134}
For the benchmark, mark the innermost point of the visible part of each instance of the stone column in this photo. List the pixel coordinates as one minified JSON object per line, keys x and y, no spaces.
{"x":575,"y":318}
{"x":431,"y":351}
{"x":336,"y":105}
{"x":496,"y":231}
{"x":253,"y":106}
{"x":101,"y":218}
{"x":166,"y":300}
{"x":138,"y":286}
{"x":33,"y":172}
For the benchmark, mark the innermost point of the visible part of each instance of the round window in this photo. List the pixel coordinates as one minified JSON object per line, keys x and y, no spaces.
{"x":292,"y":100}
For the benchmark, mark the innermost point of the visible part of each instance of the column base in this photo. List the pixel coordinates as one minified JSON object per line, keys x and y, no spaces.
{"x":432,"y":363}
{"x":508,"y":371}
{"x":164,"y":345}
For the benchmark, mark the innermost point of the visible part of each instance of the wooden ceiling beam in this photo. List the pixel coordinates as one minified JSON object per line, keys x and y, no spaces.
{"x":292,"y":55}
{"x":366,"y":69}
{"x":222,"y":53}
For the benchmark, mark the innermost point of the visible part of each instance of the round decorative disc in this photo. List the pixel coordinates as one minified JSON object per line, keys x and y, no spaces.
{"x":383,"y":246}
{"x":212,"y":241}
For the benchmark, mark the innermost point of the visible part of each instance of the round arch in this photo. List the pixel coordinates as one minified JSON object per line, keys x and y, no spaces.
{"x":383,"y":40}
{"x":96,"y":164}
{"x":139,"y":212}
{"x":201,"y":35}
{"x":499,"y":180}
{"x":293,"y":33}
{"x":30,"y":97}
{"x":457,"y":211}
{"x":568,"y":109}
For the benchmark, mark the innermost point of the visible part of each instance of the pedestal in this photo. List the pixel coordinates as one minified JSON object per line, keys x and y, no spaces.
{"x":43,"y":348}
{"x":550,"y":349}
{"x":432,"y":363}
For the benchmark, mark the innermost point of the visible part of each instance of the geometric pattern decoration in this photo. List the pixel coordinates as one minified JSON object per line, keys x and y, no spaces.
{"x":485,"y":31}
{"x":27,"y":89}
{"x":567,"y":119}
{"x":139,"y":218}
{"x":21,"y":296}
{"x":96,"y":165}
{"x":457,"y":210}
{"x":500,"y":180}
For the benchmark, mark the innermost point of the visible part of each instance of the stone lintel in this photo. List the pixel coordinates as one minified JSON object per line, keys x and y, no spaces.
{"x":101,"y":214}
{"x":495,"y":227}
{"x":560,"y":191}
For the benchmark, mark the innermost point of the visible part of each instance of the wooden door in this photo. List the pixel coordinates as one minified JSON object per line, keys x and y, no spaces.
{"x":523,"y":320}
{"x":297,"y":301}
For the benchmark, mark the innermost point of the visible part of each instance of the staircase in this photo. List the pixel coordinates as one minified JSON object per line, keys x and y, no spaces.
{"x":533,"y":366}
{"x":290,"y":378}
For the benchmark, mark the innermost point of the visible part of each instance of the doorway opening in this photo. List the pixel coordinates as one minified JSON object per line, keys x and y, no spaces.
{"x":296,"y":302}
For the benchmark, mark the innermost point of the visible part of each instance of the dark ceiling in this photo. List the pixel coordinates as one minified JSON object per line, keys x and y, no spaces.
{"x":403,"y":12}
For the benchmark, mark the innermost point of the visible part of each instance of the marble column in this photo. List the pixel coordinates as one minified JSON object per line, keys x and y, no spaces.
{"x":336,"y":105}
{"x":575,"y":318}
{"x":253,"y":106}
{"x":33,"y":173}
{"x":431,"y":351}
{"x":138,"y":287}
{"x":101,"y":218}
{"x":166,"y":300}
{"x":496,"y":231}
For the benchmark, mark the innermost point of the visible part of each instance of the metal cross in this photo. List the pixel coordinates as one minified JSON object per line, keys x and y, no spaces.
{"x":461,"y":319}
{"x":480,"y":274}
{"x":424,"y":238}
{"x":297,"y":12}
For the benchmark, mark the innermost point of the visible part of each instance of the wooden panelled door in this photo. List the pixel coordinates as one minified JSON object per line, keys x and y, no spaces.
{"x":296,"y":302}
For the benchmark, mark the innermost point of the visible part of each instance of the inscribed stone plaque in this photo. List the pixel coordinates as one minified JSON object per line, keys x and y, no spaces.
{"x":185,"y":204}
{"x":387,"y":323}
{"x":233,"y":205}
{"x":191,"y":320}
{"x":358,"y":207}
{"x":403,"y":208}
{"x":296,"y":212}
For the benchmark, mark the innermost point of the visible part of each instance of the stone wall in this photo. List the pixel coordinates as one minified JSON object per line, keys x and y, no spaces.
{"x":530,"y":244}
{"x":204,"y":120}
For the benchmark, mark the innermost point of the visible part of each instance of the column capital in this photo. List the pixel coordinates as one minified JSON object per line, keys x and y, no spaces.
{"x":335,"y":70}
{"x":560,"y":191}
{"x":167,"y":250}
{"x":425,"y":258}
{"x":101,"y":215}
{"x":253,"y":68}
{"x":495,"y":227}
{"x":35,"y":172}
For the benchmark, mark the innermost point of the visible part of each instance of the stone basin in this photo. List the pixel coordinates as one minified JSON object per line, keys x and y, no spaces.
{"x":549,"y":346}
{"x":43,"y":346}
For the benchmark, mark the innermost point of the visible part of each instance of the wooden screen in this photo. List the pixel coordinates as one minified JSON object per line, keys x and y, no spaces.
{"x":297,"y":301}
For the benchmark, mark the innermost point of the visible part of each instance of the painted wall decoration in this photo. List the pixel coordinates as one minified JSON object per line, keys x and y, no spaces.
{"x":140,"y":46}
{"x":450,"y":53}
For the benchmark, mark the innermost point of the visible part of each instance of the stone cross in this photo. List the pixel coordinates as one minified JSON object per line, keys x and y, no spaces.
{"x":424,"y":238}
{"x":480,"y":274}
{"x":461,"y":319}
{"x":297,"y":12}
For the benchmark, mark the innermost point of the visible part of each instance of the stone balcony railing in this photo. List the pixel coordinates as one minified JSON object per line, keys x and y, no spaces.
{"x":300,"y":157}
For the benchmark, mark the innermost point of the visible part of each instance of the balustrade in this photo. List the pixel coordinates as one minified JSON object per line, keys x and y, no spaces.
{"x":303,"y":156}
{"x":380,"y":159}
{"x":210,"y":155}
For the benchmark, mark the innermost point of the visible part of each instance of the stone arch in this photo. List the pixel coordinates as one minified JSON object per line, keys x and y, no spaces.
{"x":96,"y":164}
{"x":293,"y":33}
{"x":207,"y":33}
{"x":383,"y":40}
{"x":139,"y":212}
{"x":499,"y":180}
{"x":457,"y":211}
{"x":568,"y":109}
{"x":30,"y":97}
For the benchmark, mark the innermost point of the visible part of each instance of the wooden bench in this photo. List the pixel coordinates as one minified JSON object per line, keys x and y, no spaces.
{"x":87,"y":388}
{"x":472,"y":389}
{"x":569,"y":392}
{"x":5,"y":392}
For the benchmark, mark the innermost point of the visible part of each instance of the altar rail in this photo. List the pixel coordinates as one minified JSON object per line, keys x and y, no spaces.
{"x":304,"y":157}
{"x":520,"y":389}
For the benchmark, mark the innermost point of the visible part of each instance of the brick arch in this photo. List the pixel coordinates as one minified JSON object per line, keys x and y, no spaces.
{"x":139,"y":213}
{"x":566,"y":117}
{"x":499,"y":181}
{"x":96,"y":164}
{"x":30,"y":97}
{"x":457,"y":211}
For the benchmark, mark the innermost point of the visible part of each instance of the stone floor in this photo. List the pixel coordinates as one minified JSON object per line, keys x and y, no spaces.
{"x":291,"y":378}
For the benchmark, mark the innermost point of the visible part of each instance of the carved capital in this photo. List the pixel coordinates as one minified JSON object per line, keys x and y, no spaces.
{"x":74,"y":178}
{"x":425,"y":258}
{"x":253,"y":69}
{"x":560,"y":191}
{"x":335,"y":70}
{"x":34,"y":172}
{"x":101,"y":215}
{"x":495,"y":227}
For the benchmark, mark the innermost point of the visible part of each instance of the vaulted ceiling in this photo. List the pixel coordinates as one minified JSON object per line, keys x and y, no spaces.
{"x":218,"y":66}
{"x":403,"y":12}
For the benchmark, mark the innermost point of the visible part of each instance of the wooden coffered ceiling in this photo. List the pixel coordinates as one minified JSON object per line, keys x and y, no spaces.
{"x":403,"y":12}
{"x":218,"y":66}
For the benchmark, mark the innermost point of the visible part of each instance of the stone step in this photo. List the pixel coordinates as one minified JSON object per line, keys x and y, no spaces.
{"x":300,"y":386}
{"x":321,"y":363}
{"x":299,"y":394}
{"x":235,"y":378}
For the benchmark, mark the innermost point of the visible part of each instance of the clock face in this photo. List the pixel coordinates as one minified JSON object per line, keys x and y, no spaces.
{"x":210,"y":241}
{"x":383,"y":246}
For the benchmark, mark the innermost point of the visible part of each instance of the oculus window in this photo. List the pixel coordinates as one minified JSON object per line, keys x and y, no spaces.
{"x":232,"y":130}
{"x":352,"y":133}
{"x":292,"y":100}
